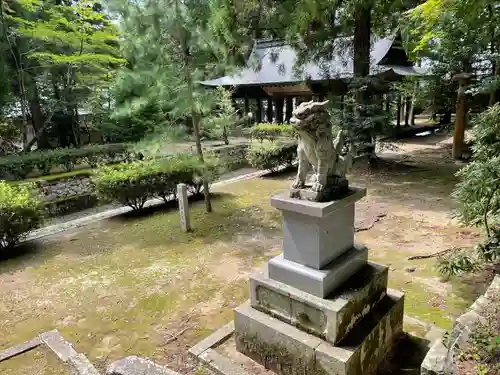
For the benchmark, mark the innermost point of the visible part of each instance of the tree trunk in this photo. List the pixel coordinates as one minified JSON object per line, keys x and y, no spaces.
{"x":460,"y":123}
{"x":38,"y":121}
{"x":494,"y":93}
{"x":194,"y":114}
{"x":414,"y":103}
{"x":362,"y":34}
{"x":38,"y":135}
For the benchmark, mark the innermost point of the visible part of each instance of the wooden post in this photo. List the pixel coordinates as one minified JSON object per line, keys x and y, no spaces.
{"x":407,"y":111}
{"x":182,"y":198}
{"x":461,"y":116}
{"x":258,"y":114}
{"x":289,"y":108}
{"x":279,"y":110}
{"x":247,"y":106}
{"x":398,"y":115}
{"x":269,"y":109}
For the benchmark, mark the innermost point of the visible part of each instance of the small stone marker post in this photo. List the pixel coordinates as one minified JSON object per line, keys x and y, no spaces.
{"x":183,"y":207}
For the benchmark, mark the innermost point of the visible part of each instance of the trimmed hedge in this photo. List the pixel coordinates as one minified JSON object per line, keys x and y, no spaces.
{"x":271,"y":132}
{"x":21,"y":210}
{"x":20,"y":166}
{"x":272,"y":155}
{"x":132,"y":184}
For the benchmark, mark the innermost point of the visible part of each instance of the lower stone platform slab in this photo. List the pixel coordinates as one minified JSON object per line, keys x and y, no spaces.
{"x":286,"y":350}
{"x":329,"y":318}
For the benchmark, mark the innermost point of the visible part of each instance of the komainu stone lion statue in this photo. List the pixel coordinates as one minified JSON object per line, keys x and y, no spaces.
{"x":317,"y":149}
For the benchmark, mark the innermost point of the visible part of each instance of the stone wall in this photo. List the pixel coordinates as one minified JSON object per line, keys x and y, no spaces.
{"x":66,"y":187}
{"x":67,"y":195}
{"x":441,"y":358}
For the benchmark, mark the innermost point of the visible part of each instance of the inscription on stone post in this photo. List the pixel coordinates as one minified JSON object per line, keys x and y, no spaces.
{"x":183,"y":207}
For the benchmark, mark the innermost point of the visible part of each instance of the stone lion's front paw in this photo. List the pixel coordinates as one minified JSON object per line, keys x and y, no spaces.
{"x":317,"y":187}
{"x":298,"y":184}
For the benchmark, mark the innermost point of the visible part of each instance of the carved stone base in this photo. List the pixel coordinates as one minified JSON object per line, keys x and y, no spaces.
{"x":336,"y":188}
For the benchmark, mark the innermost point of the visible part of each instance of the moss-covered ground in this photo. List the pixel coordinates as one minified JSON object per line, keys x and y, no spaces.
{"x":138,"y":285}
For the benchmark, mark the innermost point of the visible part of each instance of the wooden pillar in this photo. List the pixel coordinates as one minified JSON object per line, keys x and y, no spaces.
{"x":461,"y":116}
{"x":407,"y":111}
{"x":387,"y":103}
{"x":279,"y":110}
{"x":247,"y":106}
{"x":289,"y":108}
{"x":398,"y":113}
{"x":258,"y":114}
{"x":269,"y":109}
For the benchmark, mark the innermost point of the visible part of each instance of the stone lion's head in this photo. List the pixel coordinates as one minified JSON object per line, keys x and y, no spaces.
{"x":309,"y":116}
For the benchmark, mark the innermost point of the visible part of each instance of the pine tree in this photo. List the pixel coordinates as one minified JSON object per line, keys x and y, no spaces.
{"x":170,"y":50}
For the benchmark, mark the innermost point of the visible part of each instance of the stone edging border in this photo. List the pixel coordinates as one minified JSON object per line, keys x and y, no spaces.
{"x":77,"y":362}
{"x":441,"y":357}
{"x":204,"y":352}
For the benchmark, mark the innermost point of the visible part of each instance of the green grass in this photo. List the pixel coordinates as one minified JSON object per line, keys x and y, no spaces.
{"x":124,"y":286}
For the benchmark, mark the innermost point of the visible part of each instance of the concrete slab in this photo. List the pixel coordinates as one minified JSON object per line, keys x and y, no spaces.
{"x":213,"y":340}
{"x":134,"y":365}
{"x":55,"y":342}
{"x":329,"y":318}
{"x":77,"y":362}
{"x":322,"y":282}
{"x":19,"y":349}
{"x":287,"y":350}
{"x":221,"y":364}
{"x":366,"y":346}
{"x":438,"y":360}
{"x":276,"y":345}
{"x":316,"y":209}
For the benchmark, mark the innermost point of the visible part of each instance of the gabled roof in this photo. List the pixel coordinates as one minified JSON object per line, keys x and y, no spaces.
{"x":273,"y":63}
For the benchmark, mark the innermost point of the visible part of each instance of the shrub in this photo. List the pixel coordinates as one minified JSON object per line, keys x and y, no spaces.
{"x":20,"y":212}
{"x":132,"y":184}
{"x":478,"y":194}
{"x":272,"y":155}
{"x":270,"y":132}
{"x":21,"y":165}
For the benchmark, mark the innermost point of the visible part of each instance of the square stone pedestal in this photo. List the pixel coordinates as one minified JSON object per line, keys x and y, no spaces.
{"x":317,"y":233}
{"x":318,"y":282}
{"x":319,"y":253}
{"x":320,"y":308}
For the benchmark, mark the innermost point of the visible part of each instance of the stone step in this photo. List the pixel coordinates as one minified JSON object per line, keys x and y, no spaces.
{"x":329,"y":318}
{"x":319,"y":282}
{"x":287,"y":350}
